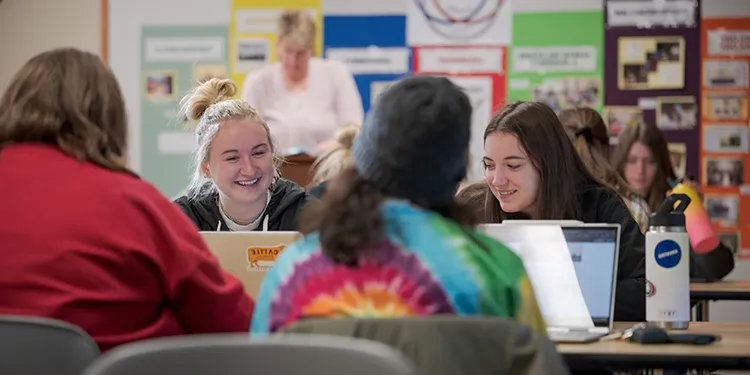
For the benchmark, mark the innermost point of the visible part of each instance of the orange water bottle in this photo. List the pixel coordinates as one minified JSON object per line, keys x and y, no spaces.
{"x":703,"y":237}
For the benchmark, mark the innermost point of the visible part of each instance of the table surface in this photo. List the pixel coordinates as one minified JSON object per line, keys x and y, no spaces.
{"x":735,"y":342}
{"x":721,"y":286}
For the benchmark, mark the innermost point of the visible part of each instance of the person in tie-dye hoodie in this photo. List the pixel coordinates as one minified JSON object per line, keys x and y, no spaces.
{"x":388,"y":239}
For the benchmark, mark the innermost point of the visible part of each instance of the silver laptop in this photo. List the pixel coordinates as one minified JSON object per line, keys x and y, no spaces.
{"x":579,"y":308}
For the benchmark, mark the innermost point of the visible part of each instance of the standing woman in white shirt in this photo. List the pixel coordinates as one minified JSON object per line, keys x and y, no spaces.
{"x":304,"y":99}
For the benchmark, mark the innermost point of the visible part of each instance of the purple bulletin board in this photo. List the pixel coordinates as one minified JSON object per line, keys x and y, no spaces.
{"x":613,"y":96}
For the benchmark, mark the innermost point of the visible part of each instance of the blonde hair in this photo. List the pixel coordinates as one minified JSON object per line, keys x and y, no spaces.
{"x":208,"y":106}
{"x":297,"y":27}
{"x":70,"y":99}
{"x":338,"y":159}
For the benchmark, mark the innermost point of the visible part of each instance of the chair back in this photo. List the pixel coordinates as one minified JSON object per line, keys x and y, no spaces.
{"x":233,"y":354}
{"x":452,"y":345}
{"x":43,"y":346}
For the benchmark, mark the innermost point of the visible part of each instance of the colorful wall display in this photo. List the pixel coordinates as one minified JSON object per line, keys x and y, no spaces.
{"x":173,"y":59}
{"x":480,"y":70}
{"x":562,"y":66}
{"x":252,"y":32}
{"x":373,"y":48}
{"x":648,"y":62}
{"x":725,"y":161}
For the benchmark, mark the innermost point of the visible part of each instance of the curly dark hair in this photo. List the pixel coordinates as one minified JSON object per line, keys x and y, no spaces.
{"x":349,"y":221}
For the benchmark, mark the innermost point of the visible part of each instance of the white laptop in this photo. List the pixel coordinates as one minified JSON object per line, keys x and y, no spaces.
{"x":248,"y":255}
{"x":573,"y":268}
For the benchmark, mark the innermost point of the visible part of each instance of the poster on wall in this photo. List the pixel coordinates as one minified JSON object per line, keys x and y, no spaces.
{"x":562,"y":70}
{"x":252,"y":33}
{"x":650,"y":63}
{"x":725,"y":153}
{"x":648,"y":14}
{"x":174,"y":60}
{"x":676,"y":112}
{"x":618,"y":118}
{"x":480,"y":71}
{"x":458,"y":22}
{"x":375,"y":54}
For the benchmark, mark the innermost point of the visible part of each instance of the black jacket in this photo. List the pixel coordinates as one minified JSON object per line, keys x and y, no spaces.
{"x":601,"y":205}
{"x":287,"y":201}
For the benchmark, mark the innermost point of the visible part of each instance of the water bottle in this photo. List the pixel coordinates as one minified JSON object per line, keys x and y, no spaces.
{"x":703,"y":237}
{"x":668,"y":265}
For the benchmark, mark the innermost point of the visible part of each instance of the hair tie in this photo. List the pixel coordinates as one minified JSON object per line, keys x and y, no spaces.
{"x":586,"y":132}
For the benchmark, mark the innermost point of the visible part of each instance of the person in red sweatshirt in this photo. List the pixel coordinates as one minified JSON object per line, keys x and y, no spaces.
{"x":82,"y":238}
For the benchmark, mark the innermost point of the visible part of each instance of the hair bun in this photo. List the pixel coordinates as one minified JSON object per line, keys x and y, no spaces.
{"x":290,"y":18}
{"x":208,"y":93}
{"x":345,"y":136}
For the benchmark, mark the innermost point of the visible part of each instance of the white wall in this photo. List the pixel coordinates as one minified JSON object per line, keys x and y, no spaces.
{"x":28,"y":27}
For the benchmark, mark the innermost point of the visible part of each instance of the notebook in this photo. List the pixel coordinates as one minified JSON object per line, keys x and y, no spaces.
{"x":248,"y":255}
{"x":573,"y":269}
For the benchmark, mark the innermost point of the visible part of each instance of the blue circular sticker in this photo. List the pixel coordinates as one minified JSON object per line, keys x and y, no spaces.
{"x":668,"y":253}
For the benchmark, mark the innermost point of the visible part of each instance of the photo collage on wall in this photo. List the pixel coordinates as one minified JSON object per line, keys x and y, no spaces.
{"x":654,"y":63}
{"x":725,"y":146}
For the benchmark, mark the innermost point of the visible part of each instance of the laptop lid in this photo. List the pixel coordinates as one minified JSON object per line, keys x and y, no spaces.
{"x":573,"y":269}
{"x":248,"y":255}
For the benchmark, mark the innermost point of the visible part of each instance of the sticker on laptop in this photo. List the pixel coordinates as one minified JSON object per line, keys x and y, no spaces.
{"x":262,"y":258}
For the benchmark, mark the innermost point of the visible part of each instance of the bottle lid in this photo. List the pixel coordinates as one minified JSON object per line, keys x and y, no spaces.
{"x":671,"y":213}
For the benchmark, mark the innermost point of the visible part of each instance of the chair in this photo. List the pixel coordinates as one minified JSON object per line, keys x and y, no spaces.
{"x":34,"y":345}
{"x":233,"y":354}
{"x":452,"y":345}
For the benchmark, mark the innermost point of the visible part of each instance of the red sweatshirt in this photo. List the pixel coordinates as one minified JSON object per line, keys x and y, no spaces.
{"x":107,"y":252}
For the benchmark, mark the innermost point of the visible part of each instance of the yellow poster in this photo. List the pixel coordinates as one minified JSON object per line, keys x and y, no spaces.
{"x":252,"y":33}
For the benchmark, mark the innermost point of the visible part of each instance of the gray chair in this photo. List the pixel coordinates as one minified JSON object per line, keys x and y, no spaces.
{"x":451,"y":345}
{"x":43,"y":346}
{"x":233,"y":354}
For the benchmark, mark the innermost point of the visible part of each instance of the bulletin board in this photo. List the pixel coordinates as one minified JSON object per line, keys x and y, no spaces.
{"x":650,"y":51}
{"x":725,"y":162}
{"x":563,"y":66}
{"x":158,"y":55}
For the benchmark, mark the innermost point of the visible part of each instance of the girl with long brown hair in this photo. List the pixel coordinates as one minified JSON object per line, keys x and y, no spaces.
{"x":641,"y":158}
{"x":533,"y":172}
{"x":590,"y":138}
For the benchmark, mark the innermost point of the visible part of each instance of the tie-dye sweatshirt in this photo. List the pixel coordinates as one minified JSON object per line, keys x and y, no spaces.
{"x":425,"y":264}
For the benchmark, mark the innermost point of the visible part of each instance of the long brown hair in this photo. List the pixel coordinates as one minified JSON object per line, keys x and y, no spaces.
{"x":562,"y":174}
{"x":67,"y":98}
{"x":348,"y":217}
{"x":590,"y":137}
{"x":651,"y":137}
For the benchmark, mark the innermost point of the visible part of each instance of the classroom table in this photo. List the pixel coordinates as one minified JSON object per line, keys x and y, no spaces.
{"x":717,"y":291}
{"x":731,"y":353}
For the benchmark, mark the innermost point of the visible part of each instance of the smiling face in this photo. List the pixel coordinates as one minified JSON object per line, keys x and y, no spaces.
{"x":240,"y":162}
{"x":640,"y":168}
{"x":510,"y":174}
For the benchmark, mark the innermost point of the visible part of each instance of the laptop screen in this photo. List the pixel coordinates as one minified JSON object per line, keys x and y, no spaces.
{"x":594,"y":251}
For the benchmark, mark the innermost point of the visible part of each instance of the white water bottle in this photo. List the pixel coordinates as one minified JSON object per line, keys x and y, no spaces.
{"x":668,"y":265}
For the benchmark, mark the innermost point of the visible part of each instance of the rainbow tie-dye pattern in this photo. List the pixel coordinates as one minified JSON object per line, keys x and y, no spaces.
{"x":424,"y":265}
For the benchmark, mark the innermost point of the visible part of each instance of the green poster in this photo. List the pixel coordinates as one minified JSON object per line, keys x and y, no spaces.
{"x":557,"y":58}
{"x":173,"y":59}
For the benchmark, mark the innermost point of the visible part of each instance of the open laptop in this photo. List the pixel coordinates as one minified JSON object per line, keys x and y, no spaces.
{"x":573,"y":269}
{"x":248,"y":255}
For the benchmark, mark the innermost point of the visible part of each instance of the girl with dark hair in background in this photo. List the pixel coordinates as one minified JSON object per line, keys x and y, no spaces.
{"x":641,"y":157}
{"x":590,"y":138}
{"x":387,"y":239}
{"x":533,"y":172}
